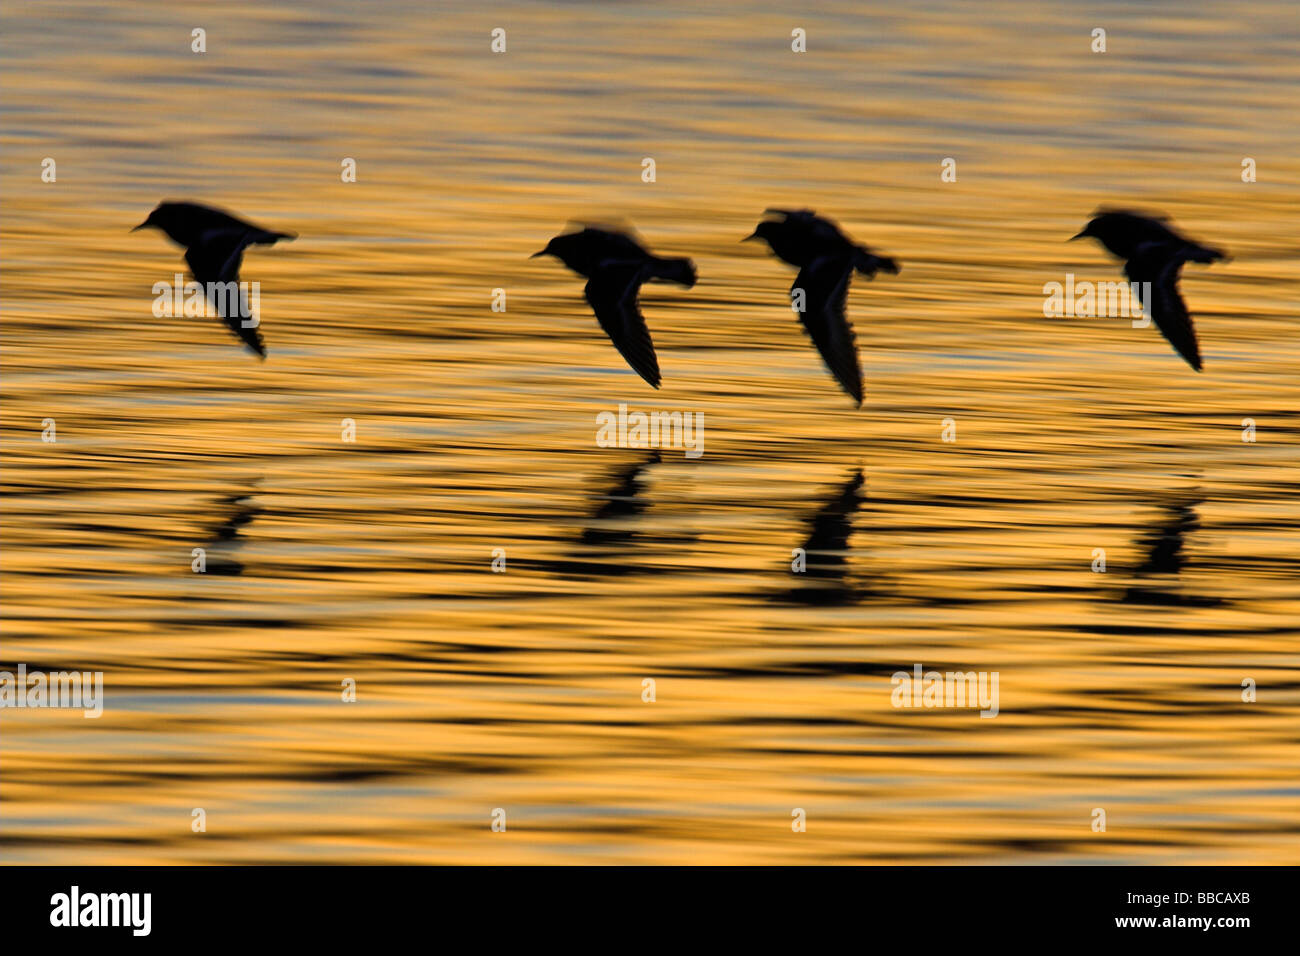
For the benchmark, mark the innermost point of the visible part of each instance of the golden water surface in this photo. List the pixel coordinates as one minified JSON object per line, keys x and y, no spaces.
{"x":331,"y":561}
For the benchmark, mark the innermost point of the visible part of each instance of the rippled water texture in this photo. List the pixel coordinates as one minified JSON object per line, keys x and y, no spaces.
{"x":370,"y":560}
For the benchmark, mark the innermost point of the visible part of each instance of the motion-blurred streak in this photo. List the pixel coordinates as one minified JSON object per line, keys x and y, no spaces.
{"x":223,"y":536}
{"x":826,"y":549}
{"x":1163,"y":547}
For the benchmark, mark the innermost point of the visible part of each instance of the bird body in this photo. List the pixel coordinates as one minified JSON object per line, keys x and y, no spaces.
{"x":1153,"y":255}
{"x":616,"y":266}
{"x":801,"y":236}
{"x":826,"y":260}
{"x":214,"y":244}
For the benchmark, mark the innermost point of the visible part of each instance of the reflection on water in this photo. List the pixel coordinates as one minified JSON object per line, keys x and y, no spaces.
{"x":223,"y":537}
{"x":623,"y":501}
{"x":606,"y":545}
{"x":1165,"y":555}
{"x":825,"y":562}
{"x":371,"y":560}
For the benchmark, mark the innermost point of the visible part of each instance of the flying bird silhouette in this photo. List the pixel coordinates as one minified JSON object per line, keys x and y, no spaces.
{"x":1154,"y":253}
{"x":826,"y":259}
{"x":214,"y":244}
{"x":615,"y":265}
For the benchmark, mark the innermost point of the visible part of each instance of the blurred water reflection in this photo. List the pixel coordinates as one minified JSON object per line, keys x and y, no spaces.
{"x":371,"y":560}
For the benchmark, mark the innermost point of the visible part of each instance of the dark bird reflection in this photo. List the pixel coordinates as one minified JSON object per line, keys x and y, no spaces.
{"x":1163,"y":547}
{"x":222,"y":537}
{"x":604,"y":547}
{"x":825,"y":579}
{"x":622,"y":501}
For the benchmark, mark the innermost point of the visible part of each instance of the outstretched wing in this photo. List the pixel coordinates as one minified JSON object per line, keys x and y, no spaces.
{"x":216,"y":258}
{"x":1160,"y":266}
{"x":612,"y":293}
{"x":825,"y":283}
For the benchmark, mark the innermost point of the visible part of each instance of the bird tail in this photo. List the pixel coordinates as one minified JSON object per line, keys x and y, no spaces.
{"x":1205,"y":254}
{"x":869,"y":264}
{"x":266,"y":237}
{"x":681,"y":271}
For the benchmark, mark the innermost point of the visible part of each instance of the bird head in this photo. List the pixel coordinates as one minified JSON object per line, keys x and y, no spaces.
{"x":548,"y":251}
{"x":1091,"y":229}
{"x":155,"y":219}
{"x":567,"y":247}
{"x":765,"y":230}
{"x":1111,"y":226}
{"x":171,"y":218}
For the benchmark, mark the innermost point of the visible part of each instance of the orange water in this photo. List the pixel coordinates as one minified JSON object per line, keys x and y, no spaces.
{"x":475,"y":431}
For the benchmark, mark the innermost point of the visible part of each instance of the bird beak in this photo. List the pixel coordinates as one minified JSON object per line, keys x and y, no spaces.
{"x":536,"y":254}
{"x":1081,"y":235}
{"x":752,"y":235}
{"x":141,"y":226}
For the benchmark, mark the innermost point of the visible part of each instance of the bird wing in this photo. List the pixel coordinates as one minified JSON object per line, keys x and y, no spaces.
{"x":825,"y":282}
{"x":218,"y":254}
{"x":216,"y":257}
{"x":1159,"y":265}
{"x":612,"y":293}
